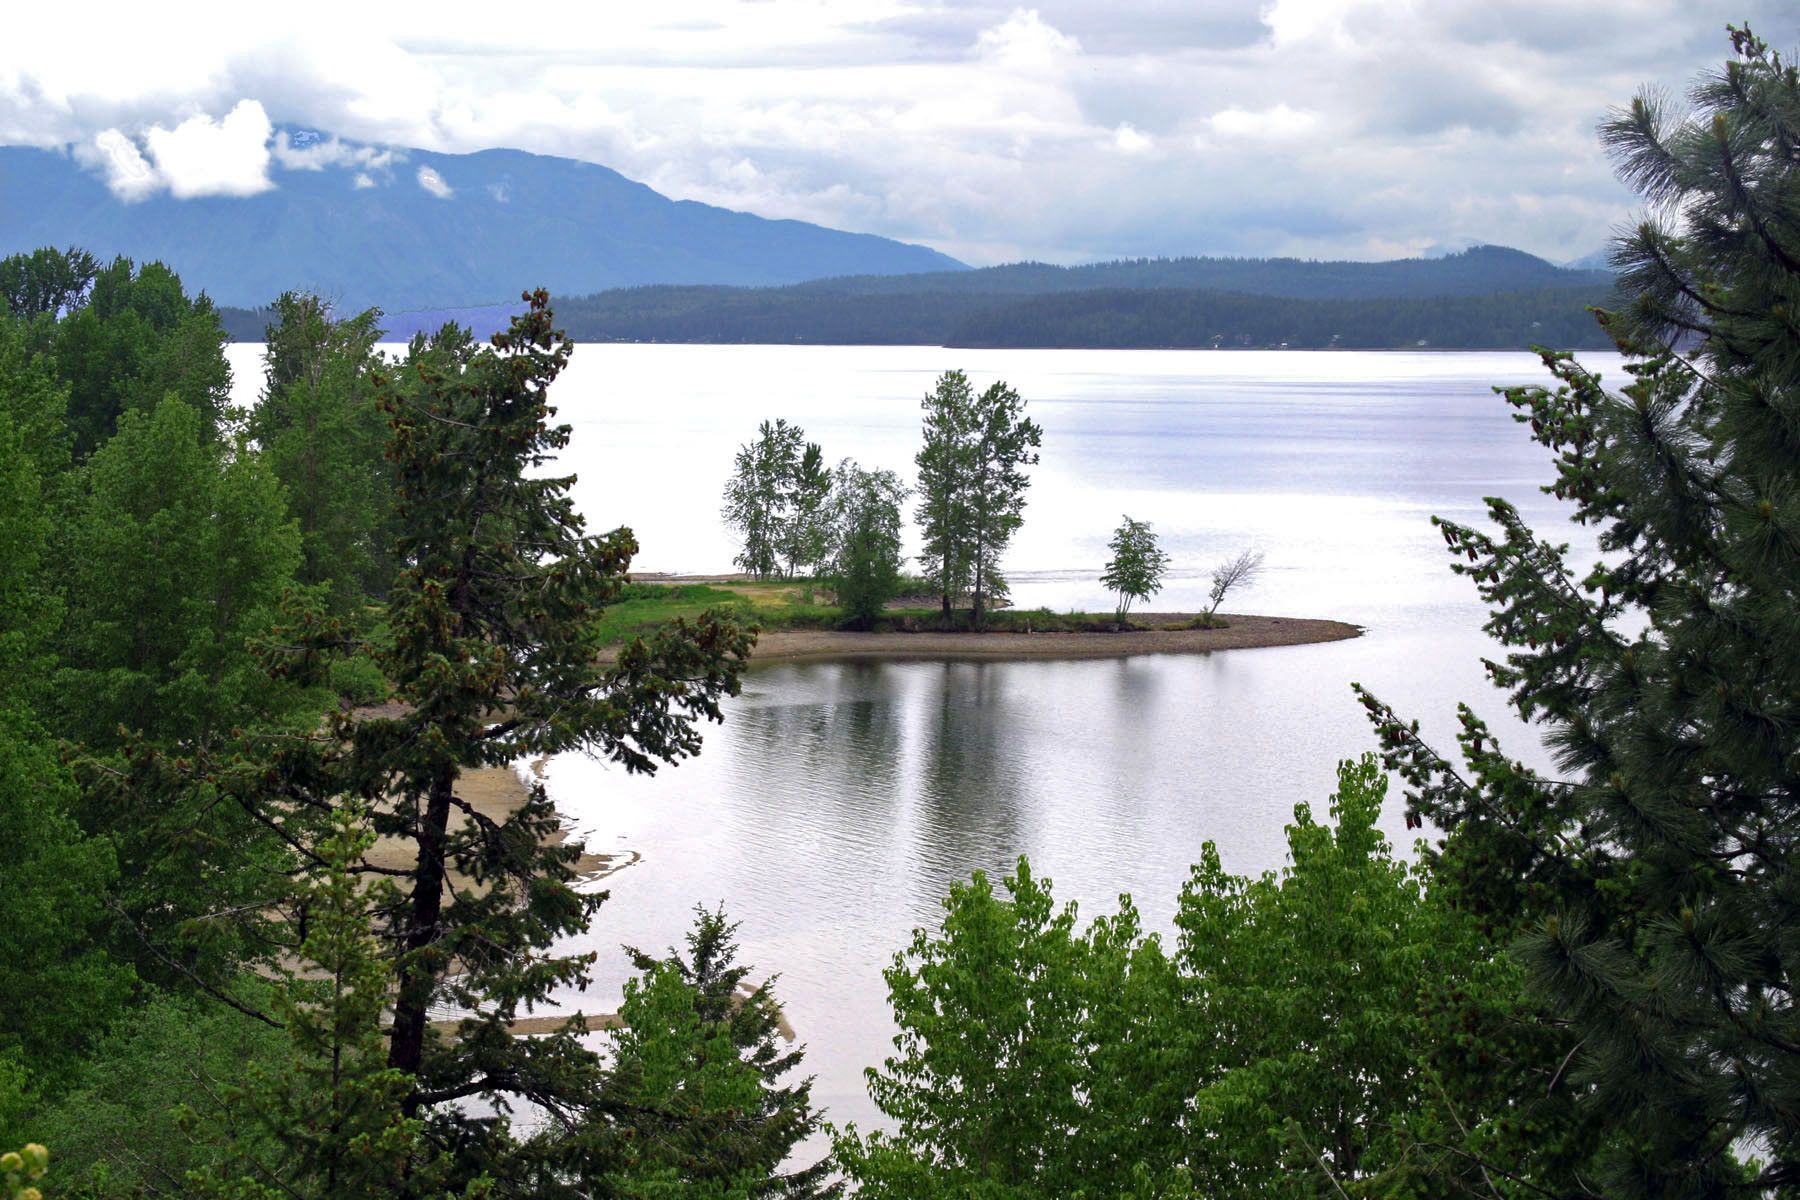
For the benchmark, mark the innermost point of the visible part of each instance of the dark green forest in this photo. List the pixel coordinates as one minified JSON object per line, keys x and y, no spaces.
{"x":1487,"y":297}
{"x":256,"y":941}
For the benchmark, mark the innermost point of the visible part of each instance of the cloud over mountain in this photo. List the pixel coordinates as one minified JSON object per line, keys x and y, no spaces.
{"x":1064,"y":129}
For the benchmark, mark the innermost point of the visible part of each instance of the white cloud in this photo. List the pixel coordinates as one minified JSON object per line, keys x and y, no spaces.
{"x":198,"y":157}
{"x":500,"y":192}
{"x":1127,"y":140}
{"x":434,"y":183}
{"x":1055,"y":129}
{"x":318,"y":153}
{"x":1024,"y":40}
{"x":127,"y":172}
{"x":1277,"y":122}
{"x":204,"y":157}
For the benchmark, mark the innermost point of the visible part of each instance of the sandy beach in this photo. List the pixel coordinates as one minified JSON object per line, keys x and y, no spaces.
{"x":1241,"y":633}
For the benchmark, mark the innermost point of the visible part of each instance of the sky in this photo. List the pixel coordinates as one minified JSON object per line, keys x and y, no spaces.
{"x":1065,"y":131}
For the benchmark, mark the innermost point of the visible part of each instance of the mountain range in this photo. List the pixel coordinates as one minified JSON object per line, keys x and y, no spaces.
{"x":411,"y":229}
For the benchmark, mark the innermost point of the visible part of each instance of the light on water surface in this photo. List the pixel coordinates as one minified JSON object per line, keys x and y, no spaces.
{"x":838,"y":800}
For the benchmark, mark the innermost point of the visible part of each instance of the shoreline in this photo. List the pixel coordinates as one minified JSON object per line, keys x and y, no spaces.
{"x":1241,"y":633}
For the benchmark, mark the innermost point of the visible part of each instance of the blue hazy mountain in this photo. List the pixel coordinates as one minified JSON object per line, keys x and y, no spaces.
{"x":490,"y":225}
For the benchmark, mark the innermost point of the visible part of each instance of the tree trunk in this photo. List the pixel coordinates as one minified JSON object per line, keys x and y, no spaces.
{"x":412,"y":1001}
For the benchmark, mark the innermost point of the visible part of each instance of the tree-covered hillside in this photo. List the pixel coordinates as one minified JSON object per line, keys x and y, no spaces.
{"x":429,"y":230}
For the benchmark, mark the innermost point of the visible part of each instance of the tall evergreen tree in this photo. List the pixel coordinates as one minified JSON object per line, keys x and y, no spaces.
{"x":701,"y":1093}
{"x":1656,"y":878}
{"x":492,"y":646}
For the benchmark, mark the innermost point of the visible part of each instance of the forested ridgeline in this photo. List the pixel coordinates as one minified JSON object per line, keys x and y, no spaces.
{"x":1488,"y":297}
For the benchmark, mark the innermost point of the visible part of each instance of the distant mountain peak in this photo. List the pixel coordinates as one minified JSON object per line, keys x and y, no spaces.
{"x":404,"y":228}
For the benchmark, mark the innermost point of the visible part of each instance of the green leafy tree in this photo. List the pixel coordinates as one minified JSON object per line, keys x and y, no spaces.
{"x":1003,"y":442}
{"x":865,"y":564}
{"x":806,"y":530}
{"x":120,"y":1122}
{"x":60,"y":986}
{"x":759,"y":496}
{"x":972,"y":487}
{"x":1027,"y":1062}
{"x":1300,"y":998}
{"x":1653,"y":880}
{"x":177,"y":554}
{"x":136,"y":338}
{"x":322,"y":435}
{"x":1136,"y":568}
{"x":944,"y":466}
{"x":46,"y":281}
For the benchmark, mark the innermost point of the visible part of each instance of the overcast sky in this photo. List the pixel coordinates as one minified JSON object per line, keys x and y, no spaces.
{"x":1067,"y":130}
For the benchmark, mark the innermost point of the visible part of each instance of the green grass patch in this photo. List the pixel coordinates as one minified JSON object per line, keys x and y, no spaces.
{"x":781,"y":604}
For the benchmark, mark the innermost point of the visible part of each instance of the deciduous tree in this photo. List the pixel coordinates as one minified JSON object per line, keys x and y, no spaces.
{"x":865,"y":564}
{"x":1136,"y":568}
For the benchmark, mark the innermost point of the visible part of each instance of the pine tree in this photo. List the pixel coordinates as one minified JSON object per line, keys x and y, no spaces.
{"x":1656,"y":880}
{"x":492,"y":646}
{"x":779,"y":1115}
{"x":329,"y":1124}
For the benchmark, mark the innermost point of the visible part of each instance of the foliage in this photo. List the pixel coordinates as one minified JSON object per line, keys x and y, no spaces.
{"x":697,"y":1087}
{"x":1653,"y":885}
{"x":1024,"y":1062}
{"x":21,"y":1169}
{"x":972,"y":486}
{"x":46,"y":282}
{"x":491,"y":645}
{"x":1136,"y":568}
{"x":323,"y":437}
{"x":943,"y":501}
{"x":328,"y":1122}
{"x":806,"y":532}
{"x":1280,"y":1050}
{"x":865,"y":566}
{"x":118,"y":1123}
{"x":1300,"y":998}
{"x":1003,"y":441}
{"x":59,"y":985}
{"x":178,"y":552}
{"x":776,"y":501}
{"x":780,"y":1115}
{"x":135,"y":339}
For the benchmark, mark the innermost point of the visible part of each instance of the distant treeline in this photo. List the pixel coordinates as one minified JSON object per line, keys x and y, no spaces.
{"x":1163,"y":317}
{"x":1489,"y":297}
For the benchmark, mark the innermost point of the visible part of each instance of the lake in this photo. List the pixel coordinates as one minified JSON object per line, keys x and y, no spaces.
{"x":838,"y":800}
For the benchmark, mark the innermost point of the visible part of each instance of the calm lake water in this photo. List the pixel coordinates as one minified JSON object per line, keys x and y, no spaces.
{"x":837,"y":802}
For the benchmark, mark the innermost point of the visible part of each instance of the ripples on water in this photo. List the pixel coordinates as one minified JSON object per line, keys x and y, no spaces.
{"x":838,"y":801}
